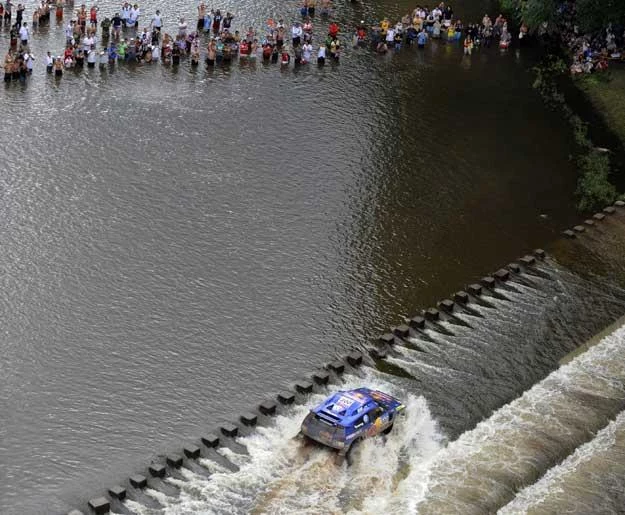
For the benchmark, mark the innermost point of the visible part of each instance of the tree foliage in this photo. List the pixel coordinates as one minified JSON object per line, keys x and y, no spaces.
{"x":591,"y":15}
{"x":532,"y":12}
{"x":593,"y":187}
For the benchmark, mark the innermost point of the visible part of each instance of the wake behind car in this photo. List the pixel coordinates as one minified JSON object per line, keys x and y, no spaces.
{"x":350,"y":416}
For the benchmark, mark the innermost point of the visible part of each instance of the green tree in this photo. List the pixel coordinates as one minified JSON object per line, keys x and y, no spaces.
{"x":532,"y":12}
{"x":592,"y":15}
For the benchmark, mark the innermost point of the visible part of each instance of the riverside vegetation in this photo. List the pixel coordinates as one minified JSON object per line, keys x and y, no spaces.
{"x":561,"y":26}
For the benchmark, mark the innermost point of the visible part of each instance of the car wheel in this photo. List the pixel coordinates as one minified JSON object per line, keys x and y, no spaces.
{"x":388,"y":429}
{"x":349,"y":455}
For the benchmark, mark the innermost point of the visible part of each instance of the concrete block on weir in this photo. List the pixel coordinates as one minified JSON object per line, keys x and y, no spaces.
{"x":138,"y":481}
{"x":502,"y":275}
{"x":417,"y":322}
{"x":249,"y":419}
{"x":286,"y":398}
{"x":157,"y":470}
{"x":514,"y":267}
{"x":267,"y":408}
{"x":446,"y":305}
{"x":540,"y":253}
{"x":619,"y":203}
{"x":378,"y":354}
{"x":474,"y":289}
{"x":432,"y":314}
{"x":569,"y":234}
{"x":117,"y":492}
{"x":229,"y":430}
{"x":354,"y":359}
{"x":579,"y":228}
{"x":321,"y":377}
{"x":598,"y":216}
{"x":589,"y":222}
{"x":527,"y":260}
{"x":191,"y":451}
{"x":210,"y":440}
{"x":175,"y":461}
{"x":304,"y":387}
{"x":100,"y":506}
{"x":387,"y":339}
{"x":488,"y":282}
{"x":337,"y":367}
{"x":461,"y":297}
{"x":610,"y":210}
{"x":403,"y":331}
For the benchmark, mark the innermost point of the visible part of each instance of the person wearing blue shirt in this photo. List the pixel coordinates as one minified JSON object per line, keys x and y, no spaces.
{"x":422,"y":39}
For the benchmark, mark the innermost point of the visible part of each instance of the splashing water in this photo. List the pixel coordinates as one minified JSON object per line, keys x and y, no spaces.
{"x":484,"y":468}
{"x":281,"y":475}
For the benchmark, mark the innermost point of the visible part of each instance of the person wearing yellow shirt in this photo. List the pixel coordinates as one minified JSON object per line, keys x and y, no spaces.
{"x":384,"y":25}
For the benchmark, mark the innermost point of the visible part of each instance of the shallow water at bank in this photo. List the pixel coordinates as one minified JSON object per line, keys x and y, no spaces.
{"x":177,"y":246}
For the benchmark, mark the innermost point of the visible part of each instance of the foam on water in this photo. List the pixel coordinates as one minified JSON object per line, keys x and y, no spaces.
{"x":582,"y":483}
{"x":281,"y":475}
{"x":484,"y":468}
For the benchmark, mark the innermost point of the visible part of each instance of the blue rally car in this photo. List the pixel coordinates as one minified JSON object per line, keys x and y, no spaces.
{"x":349,"y":416}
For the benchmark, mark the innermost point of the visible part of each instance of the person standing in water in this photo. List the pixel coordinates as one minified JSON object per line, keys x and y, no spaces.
{"x":24,"y":34}
{"x":201,"y":14}
{"x":58,"y":67}
{"x":422,"y":39}
{"x":321,"y":55}
{"x":307,"y":49}
{"x":49,"y":62}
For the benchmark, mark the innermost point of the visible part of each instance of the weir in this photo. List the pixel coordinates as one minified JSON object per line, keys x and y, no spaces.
{"x":456,"y":365}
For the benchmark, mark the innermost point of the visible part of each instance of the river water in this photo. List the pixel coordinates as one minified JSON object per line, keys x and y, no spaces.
{"x":177,"y":245}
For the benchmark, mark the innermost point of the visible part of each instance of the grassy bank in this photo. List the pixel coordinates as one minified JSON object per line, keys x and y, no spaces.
{"x":607,"y":94}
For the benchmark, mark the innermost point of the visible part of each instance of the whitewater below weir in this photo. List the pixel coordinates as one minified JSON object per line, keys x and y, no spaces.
{"x":512,"y":461}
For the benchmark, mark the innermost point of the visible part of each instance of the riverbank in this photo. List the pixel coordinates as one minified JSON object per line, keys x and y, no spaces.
{"x":606,"y":95}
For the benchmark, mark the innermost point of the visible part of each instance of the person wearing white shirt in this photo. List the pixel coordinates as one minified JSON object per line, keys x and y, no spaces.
{"x":87,"y":43}
{"x":133,"y":17}
{"x":49,"y":62}
{"x":307,"y":50}
{"x":30,"y":61}
{"x":296,"y":33}
{"x":157,"y":21}
{"x":69,"y":33}
{"x":182,"y":28}
{"x":24,"y":34}
{"x":125,"y":14}
{"x":321,"y":55}
{"x":92,"y":57}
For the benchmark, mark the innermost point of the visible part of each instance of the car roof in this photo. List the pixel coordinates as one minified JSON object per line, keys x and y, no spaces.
{"x":346,"y":406}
